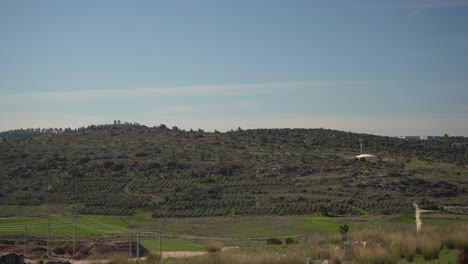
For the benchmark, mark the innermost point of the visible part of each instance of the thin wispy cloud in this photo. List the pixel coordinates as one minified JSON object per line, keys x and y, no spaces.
{"x":421,"y":4}
{"x":228,"y":89}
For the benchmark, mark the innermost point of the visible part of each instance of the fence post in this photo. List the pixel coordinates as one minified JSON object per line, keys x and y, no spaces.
{"x":48,"y":237}
{"x":160,"y":244}
{"x":138,"y":247}
{"x":25,"y":240}
{"x":130,"y":245}
{"x":74,"y":234}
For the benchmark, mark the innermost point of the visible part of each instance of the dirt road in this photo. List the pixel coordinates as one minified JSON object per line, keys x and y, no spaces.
{"x":418,"y":216}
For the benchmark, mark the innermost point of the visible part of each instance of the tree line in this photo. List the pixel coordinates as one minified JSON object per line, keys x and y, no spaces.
{"x":29,"y":133}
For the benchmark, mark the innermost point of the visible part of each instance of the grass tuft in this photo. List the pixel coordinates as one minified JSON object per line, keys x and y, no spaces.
{"x":213,"y":246}
{"x":376,"y":255}
{"x":429,"y":246}
{"x":153,"y":258}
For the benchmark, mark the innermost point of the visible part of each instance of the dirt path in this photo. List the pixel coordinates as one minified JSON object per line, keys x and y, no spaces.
{"x":418,"y":216}
{"x":165,"y":254}
{"x":182,"y":254}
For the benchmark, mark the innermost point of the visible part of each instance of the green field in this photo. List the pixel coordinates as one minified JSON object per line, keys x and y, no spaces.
{"x":153,"y":245}
{"x":63,"y":225}
{"x":253,"y":227}
{"x":184,"y":234}
{"x":222,"y":227}
{"x":248,"y":233}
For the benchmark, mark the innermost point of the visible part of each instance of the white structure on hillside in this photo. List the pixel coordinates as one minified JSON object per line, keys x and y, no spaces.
{"x":367,"y":157}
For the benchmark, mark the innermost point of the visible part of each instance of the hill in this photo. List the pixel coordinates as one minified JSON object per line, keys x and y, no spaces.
{"x":115,"y":170}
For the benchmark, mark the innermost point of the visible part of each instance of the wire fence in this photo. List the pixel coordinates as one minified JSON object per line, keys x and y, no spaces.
{"x":74,"y":231}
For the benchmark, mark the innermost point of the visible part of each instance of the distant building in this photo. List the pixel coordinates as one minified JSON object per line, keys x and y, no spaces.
{"x":367,"y":157}
{"x":419,"y":137}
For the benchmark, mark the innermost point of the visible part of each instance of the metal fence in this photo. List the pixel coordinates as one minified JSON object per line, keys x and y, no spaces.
{"x":74,"y":230}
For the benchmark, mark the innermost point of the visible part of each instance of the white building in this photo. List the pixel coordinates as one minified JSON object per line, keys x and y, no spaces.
{"x":367,"y":157}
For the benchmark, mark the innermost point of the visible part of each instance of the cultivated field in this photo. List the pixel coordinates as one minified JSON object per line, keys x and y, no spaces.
{"x":312,"y":237}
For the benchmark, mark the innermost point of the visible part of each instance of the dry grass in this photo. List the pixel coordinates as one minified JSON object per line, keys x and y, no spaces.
{"x":213,"y":246}
{"x":153,"y":258}
{"x":455,"y":237}
{"x":325,"y":246}
{"x":371,"y":237}
{"x":403,"y":245}
{"x":380,"y":247}
{"x":389,"y":247}
{"x":429,"y":246}
{"x":376,"y":255}
{"x":119,"y":260}
{"x":228,"y":257}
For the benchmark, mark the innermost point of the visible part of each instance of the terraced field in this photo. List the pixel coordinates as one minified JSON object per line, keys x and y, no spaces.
{"x":183,"y":174}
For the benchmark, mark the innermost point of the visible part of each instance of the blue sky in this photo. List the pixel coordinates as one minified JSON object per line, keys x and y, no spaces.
{"x":381,"y":67}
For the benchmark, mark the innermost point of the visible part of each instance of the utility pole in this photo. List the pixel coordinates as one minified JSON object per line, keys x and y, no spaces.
{"x":74,"y":233}
{"x":48,"y":237}
{"x":25,"y":240}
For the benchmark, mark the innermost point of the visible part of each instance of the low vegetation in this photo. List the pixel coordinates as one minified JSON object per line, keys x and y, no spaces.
{"x":375,"y":246}
{"x":118,"y":169}
{"x":213,"y":246}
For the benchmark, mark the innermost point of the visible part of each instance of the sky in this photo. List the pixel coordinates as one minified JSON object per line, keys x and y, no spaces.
{"x":383,"y":67}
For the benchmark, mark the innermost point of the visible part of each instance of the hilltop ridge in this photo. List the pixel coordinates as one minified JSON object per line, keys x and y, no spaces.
{"x":176,"y":173}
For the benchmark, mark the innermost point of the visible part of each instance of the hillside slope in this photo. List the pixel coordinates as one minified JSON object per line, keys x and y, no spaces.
{"x":175,"y":173}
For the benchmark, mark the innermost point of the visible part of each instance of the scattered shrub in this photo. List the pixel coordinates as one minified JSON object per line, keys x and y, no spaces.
{"x":274,"y":241}
{"x":107,"y":164}
{"x":290,"y":241}
{"x":141,"y":154}
{"x":213,"y":246}
{"x":117,"y":167}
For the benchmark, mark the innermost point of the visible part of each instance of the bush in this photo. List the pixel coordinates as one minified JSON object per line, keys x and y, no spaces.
{"x":141,"y":154}
{"x":274,"y":241}
{"x":117,"y":167}
{"x":290,"y":241}
{"x":213,"y":246}
{"x":107,"y":164}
